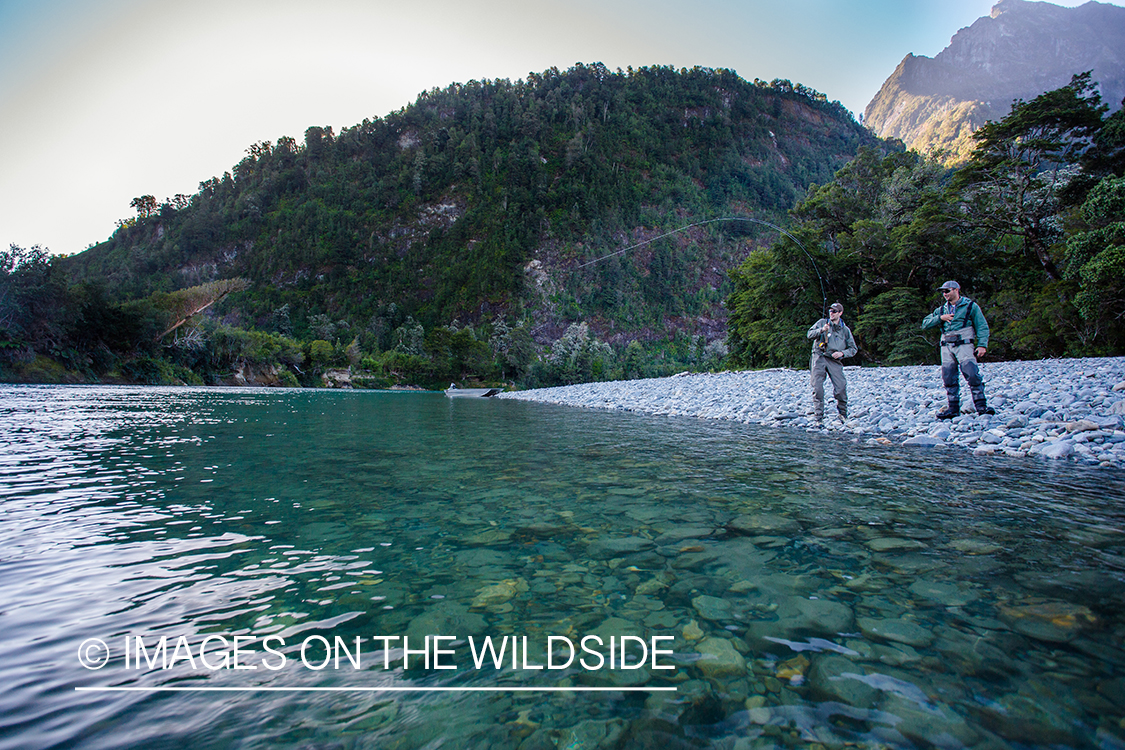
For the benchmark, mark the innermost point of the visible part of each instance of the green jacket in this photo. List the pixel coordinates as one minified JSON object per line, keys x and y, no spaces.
{"x":967,"y":313}
{"x":839,"y":339}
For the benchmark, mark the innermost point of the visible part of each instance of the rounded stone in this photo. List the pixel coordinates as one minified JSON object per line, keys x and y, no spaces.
{"x":1050,"y":621}
{"x":719,"y":660}
{"x":895,"y":629}
{"x":604,"y":549}
{"x":713,"y":608}
{"x":894,"y":544}
{"x":833,"y":678}
{"x":764,"y":523}
{"x":947,"y":594}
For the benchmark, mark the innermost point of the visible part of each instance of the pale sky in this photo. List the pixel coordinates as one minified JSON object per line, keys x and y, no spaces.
{"x":105,"y":100}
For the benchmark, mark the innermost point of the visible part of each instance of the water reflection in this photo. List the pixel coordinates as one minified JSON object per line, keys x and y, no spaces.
{"x":818,"y":591}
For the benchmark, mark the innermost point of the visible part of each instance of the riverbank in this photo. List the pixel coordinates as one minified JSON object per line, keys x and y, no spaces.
{"x":1068,"y":409}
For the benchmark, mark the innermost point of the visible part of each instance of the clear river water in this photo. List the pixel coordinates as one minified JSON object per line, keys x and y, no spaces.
{"x":222,"y":568}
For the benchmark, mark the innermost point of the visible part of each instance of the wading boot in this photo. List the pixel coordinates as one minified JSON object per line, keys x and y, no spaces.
{"x":949,"y":412}
{"x":983,"y":408}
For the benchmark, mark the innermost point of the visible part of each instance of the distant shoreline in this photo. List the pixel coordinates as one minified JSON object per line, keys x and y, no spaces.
{"x":1070,"y":409}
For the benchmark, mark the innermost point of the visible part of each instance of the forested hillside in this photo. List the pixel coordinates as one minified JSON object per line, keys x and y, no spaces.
{"x":439,"y":207}
{"x":477,"y":208}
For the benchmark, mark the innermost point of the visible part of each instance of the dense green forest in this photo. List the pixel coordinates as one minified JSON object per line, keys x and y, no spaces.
{"x":1032,"y":226}
{"x":490,"y":231}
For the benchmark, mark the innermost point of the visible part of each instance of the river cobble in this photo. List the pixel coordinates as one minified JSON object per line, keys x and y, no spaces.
{"x":1061,"y":409}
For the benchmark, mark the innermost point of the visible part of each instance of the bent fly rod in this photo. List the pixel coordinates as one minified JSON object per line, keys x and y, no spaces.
{"x":823,"y":294}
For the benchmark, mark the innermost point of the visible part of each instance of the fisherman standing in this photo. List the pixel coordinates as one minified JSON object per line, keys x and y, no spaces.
{"x":832,"y":341}
{"x":961,"y":321}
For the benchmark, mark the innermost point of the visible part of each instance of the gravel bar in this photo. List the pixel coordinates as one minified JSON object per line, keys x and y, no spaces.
{"x":1057,"y":409}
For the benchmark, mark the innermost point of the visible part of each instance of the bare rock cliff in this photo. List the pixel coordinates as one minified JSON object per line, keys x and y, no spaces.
{"x":1017,"y":52}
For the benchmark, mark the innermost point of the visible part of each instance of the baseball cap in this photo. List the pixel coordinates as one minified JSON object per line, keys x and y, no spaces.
{"x":950,"y":285}
{"x":835,"y":307}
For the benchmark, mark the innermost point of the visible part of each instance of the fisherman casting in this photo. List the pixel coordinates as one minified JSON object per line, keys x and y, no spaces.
{"x":832,"y":342}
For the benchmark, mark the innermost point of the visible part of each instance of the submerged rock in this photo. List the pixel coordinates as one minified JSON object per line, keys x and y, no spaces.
{"x":487,"y":537}
{"x":445,"y":618}
{"x":590,"y":735}
{"x":764,"y":523}
{"x":605,"y":549}
{"x":713,"y":608}
{"x":801,"y":615}
{"x":1051,"y":621}
{"x":898,"y":630}
{"x":718,"y":659}
{"x":947,"y":594}
{"x":799,"y":618}
{"x":975,"y":546}
{"x":930,"y":725}
{"x":793,"y":670}
{"x":832,"y":678}
{"x":499,"y":593}
{"x":894,"y":544}
{"x":692,"y":631}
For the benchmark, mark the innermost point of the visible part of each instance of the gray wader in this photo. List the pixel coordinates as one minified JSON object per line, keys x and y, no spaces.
{"x":957,"y":353}
{"x":818,"y":367}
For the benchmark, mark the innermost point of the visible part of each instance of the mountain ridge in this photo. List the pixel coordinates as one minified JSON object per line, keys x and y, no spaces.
{"x":1019,"y":51}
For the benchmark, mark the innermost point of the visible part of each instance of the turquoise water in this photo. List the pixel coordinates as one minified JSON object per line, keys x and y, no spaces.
{"x":811,"y":591}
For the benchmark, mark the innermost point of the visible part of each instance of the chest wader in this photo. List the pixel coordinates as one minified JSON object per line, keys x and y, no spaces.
{"x":957,"y":353}
{"x":821,"y":365}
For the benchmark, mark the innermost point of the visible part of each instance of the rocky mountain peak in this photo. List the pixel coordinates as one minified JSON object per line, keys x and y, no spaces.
{"x":1021,"y":49}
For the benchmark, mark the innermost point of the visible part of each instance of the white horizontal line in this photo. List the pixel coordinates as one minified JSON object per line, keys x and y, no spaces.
{"x":111,"y":689}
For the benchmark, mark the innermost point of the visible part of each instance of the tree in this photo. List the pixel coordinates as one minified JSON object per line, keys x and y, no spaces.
{"x":889,"y":327}
{"x":321,"y":326}
{"x":145,"y":205}
{"x":631,"y":366}
{"x":410,"y":337}
{"x":1107,"y":157}
{"x":35,"y":306}
{"x":1013,"y":181}
{"x":512,"y":348}
{"x":457,"y":354}
{"x":1095,"y":258}
{"x":578,"y":357}
{"x":182,"y":305}
{"x":321,"y":353}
